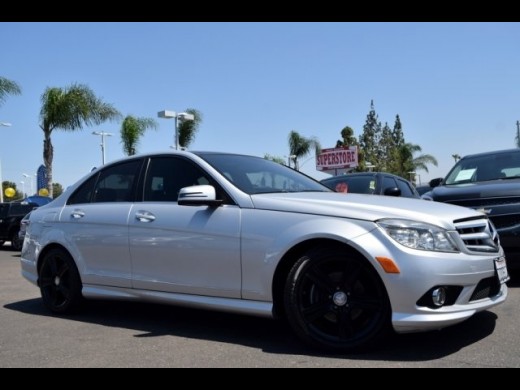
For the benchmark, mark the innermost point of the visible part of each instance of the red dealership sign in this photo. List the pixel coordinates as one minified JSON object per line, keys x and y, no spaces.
{"x":339,"y":158}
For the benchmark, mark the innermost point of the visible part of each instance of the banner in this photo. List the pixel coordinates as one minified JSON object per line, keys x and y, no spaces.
{"x":339,"y":158}
{"x":41,"y":178}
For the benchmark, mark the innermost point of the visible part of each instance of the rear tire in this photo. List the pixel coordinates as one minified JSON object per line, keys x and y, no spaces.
{"x":336,"y":301}
{"x":60,"y":283}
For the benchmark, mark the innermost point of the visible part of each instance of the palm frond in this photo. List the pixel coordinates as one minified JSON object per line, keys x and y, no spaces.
{"x":8,"y":87}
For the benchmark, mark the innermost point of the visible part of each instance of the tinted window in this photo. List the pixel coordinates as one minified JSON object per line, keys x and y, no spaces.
{"x":166,"y":176}
{"x":113,"y":184}
{"x":3,"y":210}
{"x":406,"y":190}
{"x":388,"y":182}
{"x":359,"y":184}
{"x":84,"y":193}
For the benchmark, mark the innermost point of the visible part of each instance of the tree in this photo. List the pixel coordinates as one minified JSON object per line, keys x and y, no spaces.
{"x":386,"y":148}
{"x":300,"y":147}
{"x":57,"y":190}
{"x":348,"y":138}
{"x":132,"y":129}
{"x":369,"y":139}
{"x":70,"y":109}
{"x":188,"y":129}
{"x":8,"y":87}
{"x":397,"y":132}
{"x":276,"y":159}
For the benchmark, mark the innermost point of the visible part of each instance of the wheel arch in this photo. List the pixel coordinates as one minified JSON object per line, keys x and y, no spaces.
{"x":49,"y":248}
{"x":293,"y":255}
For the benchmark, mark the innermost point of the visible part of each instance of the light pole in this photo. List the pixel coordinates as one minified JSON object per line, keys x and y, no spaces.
{"x":4,"y":124}
{"x":31,"y":182}
{"x":103,"y":135}
{"x":181,"y":116}
{"x":23,"y":188}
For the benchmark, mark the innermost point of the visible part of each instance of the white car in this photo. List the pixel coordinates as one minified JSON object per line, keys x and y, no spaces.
{"x":247,"y":235}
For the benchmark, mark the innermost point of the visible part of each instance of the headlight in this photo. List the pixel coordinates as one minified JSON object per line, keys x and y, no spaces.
{"x":418,"y":235}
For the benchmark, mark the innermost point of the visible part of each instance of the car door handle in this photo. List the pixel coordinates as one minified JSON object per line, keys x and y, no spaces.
{"x":77,"y":214}
{"x":144,"y":216}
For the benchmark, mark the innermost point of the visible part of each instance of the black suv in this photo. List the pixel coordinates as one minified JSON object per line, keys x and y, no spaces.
{"x":10,"y":216}
{"x":489,"y":182}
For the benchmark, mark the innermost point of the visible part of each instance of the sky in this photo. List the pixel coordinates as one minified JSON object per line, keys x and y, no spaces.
{"x":455,"y":86}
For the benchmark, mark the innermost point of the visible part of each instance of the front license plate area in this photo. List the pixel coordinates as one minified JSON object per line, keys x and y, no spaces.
{"x":501,"y":269}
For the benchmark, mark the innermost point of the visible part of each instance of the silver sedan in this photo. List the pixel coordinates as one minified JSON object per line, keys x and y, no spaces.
{"x":247,"y":235}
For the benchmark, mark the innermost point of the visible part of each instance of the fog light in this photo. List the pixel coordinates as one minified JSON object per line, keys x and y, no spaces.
{"x":439,"y":296}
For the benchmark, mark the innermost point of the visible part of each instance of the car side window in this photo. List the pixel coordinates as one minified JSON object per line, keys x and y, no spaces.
{"x":166,"y":176}
{"x":113,"y":184}
{"x":406,"y":191}
{"x":388,"y":182}
{"x":84,"y":193}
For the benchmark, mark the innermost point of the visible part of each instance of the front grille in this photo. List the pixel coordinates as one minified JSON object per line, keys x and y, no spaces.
{"x":478,"y":235}
{"x":486,"y":288}
{"x":486,"y":202}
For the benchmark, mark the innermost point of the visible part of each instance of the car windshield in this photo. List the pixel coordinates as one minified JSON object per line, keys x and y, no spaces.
{"x":504,"y":166}
{"x":254,"y":175}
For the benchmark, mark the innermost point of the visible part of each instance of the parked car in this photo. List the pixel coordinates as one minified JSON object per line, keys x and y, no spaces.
{"x":372,"y":183}
{"x":247,"y":235}
{"x":24,"y":223}
{"x":10,"y":216}
{"x":489,"y":183}
{"x":425,"y":190}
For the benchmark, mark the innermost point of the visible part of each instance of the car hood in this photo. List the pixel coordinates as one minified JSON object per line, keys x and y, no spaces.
{"x":484,"y":190}
{"x":364,"y":207}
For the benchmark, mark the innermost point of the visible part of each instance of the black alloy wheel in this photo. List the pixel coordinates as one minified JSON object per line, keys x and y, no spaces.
{"x":59,"y":282}
{"x":336,"y":301}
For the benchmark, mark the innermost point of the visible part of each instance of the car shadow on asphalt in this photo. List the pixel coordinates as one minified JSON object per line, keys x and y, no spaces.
{"x":153,"y":320}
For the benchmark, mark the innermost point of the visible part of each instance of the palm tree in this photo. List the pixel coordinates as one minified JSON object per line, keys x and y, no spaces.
{"x":8,"y":87}
{"x":421,"y":162}
{"x":404,"y":160}
{"x":300,"y":147}
{"x":70,"y":109}
{"x":188,"y":129}
{"x":132,"y":129}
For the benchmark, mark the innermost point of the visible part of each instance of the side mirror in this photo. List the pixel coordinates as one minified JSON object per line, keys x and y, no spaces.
{"x":199,"y":196}
{"x":392,"y":191}
{"x":436,"y":182}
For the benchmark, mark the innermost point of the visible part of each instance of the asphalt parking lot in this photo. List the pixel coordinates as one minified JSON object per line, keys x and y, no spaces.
{"x":112,"y":334}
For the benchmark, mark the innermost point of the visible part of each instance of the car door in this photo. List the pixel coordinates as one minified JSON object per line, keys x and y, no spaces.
{"x":183,"y":249}
{"x":95,"y":220}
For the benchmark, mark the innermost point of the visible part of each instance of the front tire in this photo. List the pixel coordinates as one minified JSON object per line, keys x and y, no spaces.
{"x":60,"y":283}
{"x":16,"y":243}
{"x":336,"y":301}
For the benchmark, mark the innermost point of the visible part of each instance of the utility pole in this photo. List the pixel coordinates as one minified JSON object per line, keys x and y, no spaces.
{"x":518,"y":134}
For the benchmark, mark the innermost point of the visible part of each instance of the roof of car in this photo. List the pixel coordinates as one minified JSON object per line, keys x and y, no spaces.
{"x":507,"y":151}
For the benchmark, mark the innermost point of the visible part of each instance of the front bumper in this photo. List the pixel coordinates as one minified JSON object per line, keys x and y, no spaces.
{"x":421,"y":271}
